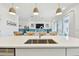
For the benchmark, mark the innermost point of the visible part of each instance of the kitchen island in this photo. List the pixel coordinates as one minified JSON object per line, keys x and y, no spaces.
{"x":65,"y":46}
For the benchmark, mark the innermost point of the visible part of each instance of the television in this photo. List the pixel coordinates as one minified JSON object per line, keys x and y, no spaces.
{"x":39,"y":26}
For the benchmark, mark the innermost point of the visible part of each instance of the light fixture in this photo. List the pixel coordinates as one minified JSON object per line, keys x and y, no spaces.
{"x":59,"y":10}
{"x":12,"y":10}
{"x":35,"y":11}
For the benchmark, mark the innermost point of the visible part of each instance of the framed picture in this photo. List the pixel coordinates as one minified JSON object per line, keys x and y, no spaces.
{"x":11,"y":23}
{"x":32,"y":25}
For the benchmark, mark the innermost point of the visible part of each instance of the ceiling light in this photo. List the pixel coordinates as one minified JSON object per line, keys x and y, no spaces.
{"x":59,"y":10}
{"x":35,"y":11}
{"x":12,"y":10}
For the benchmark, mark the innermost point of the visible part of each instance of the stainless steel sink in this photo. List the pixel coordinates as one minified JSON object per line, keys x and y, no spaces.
{"x":40,"y":41}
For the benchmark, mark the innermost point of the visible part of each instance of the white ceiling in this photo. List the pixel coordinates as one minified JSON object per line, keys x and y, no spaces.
{"x":46,"y":10}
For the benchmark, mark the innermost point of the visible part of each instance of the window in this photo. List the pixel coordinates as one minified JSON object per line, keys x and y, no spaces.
{"x":66,"y":25}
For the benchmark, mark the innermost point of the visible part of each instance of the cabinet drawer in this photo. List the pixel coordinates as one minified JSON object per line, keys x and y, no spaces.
{"x":40,"y":52}
{"x":6,"y":52}
{"x":73,"y":51}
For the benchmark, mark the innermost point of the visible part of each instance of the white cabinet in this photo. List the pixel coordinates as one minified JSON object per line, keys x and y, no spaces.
{"x":41,"y":52}
{"x":72,"y":51}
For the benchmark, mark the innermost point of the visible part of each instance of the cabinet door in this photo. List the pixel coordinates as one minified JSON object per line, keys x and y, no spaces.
{"x":6,"y":52}
{"x":73,"y":51}
{"x":40,"y":52}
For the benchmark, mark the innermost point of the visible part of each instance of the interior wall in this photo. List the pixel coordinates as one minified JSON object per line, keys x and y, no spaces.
{"x":5,"y":29}
{"x":34,"y":21}
{"x":77,"y":21}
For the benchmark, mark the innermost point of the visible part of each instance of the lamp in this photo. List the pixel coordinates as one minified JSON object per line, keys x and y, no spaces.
{"x":12,"y":10}
{"x":35,"y":11}
{"x":59,"y":10}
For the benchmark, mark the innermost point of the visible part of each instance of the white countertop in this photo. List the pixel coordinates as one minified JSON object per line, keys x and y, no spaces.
{"x":18,"y":42}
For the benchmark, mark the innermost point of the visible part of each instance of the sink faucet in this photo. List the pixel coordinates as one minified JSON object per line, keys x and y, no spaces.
{"x":41,"y":28}
{"x":40,"y":35}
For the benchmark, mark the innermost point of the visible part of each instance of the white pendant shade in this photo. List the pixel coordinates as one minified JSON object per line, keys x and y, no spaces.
{"x":12,"y":11}
{"x":35,"y":11}
{"x":59,"y":11}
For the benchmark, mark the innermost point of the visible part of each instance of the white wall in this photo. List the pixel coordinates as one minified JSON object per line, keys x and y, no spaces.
{"x":7,"y":30}
{"x":35,"y":20}
{"x":77,"y":21}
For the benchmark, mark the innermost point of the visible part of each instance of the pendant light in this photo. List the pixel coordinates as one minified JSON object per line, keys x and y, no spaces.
{"x":59,"y":10}
{"x":12,"y":10}
{"x":35,"y":10}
